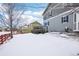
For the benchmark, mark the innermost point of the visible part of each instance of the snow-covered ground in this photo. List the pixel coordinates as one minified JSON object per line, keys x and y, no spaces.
{"x":49,"y":44}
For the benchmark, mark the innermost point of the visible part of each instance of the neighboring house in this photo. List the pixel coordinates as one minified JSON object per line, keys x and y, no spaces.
{"x":29,"y":28}
{"x":34,"y":24}
{"x":61,"y":17}
{"x":0,"y":29}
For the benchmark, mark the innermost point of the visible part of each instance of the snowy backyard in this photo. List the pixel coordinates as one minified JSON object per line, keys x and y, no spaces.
{"x":49,"y":44}
{"x":29,"y":29}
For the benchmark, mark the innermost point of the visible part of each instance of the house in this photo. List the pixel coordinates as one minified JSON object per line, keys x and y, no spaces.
{"x":28,"y":28}
{"x":0,"y":29}
{"x":34,"y":24}
{"x":61,"y":17}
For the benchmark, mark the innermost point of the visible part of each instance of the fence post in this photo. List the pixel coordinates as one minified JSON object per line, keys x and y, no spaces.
{"x":1,"y":39}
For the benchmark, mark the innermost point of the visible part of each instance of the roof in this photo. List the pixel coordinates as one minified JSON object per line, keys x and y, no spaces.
{"x":69,"y":11}
{"x":46,"y":8}
{"x":36,"y":22}
{"x":53,"y":4}
{"x":68,"y":5}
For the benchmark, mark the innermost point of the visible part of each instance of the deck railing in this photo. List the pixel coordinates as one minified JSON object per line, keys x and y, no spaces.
{"x":4,"y":37}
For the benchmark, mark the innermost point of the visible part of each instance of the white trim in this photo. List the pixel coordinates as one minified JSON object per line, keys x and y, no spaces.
{"x":75,"y":30}
{"x":73,"y":20}
{"x":72,"y":10}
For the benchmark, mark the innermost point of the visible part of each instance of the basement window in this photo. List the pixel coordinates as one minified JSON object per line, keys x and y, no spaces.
{"x":45,"y":24}
{"x":64,"y":19}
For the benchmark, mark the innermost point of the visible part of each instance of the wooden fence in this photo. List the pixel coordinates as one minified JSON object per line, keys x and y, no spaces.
{"x":4,"y":37}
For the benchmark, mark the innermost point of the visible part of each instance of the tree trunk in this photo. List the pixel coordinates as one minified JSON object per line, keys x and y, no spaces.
{"x":11,"y":26}
{"x":10,"y":17}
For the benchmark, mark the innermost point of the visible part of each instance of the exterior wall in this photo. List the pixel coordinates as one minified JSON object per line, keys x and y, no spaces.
{"x":50,"y":12}
{"x":56,"y":12}
{"x":47,"y":11}
{"x":54,"y":9}
{"x":47,"y":15}
{"x":52,"y":15}
{"x":55,"y":23}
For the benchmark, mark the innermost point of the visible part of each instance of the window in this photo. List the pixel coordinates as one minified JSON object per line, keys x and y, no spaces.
{"x":46,"y":23}
{"x":64,"y":19}
{"x":44,"y":17}
{"x":74,"y":17}
{"x":50,"y":13}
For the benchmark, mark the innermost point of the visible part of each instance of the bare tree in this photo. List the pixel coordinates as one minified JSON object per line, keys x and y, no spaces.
{"x":10,"y":16}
